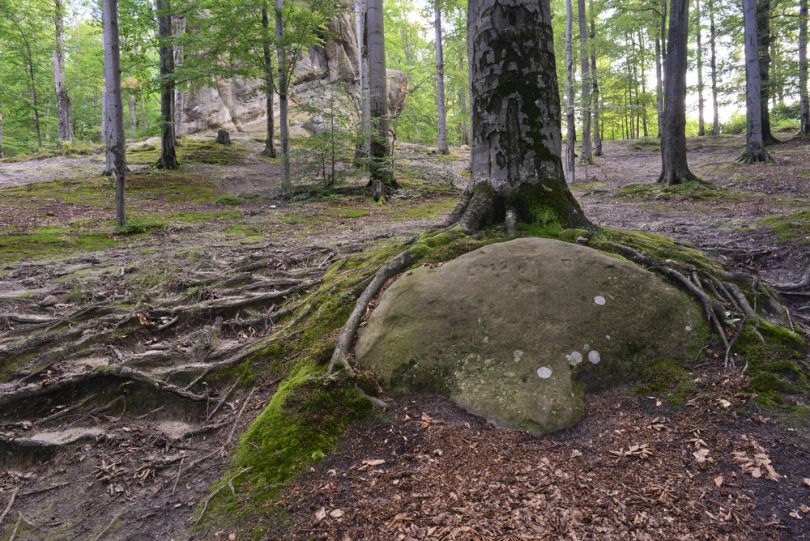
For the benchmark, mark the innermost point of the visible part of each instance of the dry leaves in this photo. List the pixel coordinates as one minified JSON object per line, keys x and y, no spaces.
{"x":642,"y":451}
{"x":758,"y":463}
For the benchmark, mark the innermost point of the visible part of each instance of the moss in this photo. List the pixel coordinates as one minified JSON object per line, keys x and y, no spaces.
{"x":693,"y":191}
{"x":352,"y":213}
{"x":228,"y":200}
{"x":791,"y":227}
{"x":667,"y":379}
{"x":139,"y":226}
{"x":51,"y":242}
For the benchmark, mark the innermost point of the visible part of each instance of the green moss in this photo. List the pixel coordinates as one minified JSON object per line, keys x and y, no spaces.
{"x":351,"y":213}
{"x":693,"y":191}
{"x":227,"y":200}
{"x":140,"y":226}
{"x":50,"y":242}
{"x":667,"y":379}
{"x":791,"y":227}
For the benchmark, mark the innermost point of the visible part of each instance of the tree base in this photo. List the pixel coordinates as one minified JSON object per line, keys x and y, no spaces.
{"x":674,"y":180}
{"x":749,"y":157}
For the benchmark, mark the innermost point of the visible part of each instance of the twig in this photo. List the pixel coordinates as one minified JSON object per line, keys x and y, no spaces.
{"x":179,"y":471}
{"x":10,"y":503}
{"x":734,"y":342}
{"x":65,"y":411}
{"x":238,"y":416}
{"x":213,"y":494}
{"x":46,"y":489}
{"x":223,"y":399}
{"x":16,"y":526}
{"x":110,"y":525}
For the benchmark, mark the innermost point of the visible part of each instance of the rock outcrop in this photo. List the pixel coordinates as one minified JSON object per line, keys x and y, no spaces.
{"x":517,"y":331}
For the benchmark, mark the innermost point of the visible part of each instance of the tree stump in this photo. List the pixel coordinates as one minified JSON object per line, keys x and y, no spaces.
{"x":223,"y":137}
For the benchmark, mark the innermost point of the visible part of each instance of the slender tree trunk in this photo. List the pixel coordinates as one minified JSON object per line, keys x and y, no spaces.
{"x":283,"y":100}
{"x":168,"y":156}
{"x":2,"y":153}
{"x":586,"y":84}
{"x":115,"y":113}
{"x":659,"y":88}
{"x":517,"y":172}
{"x":754,"y":141}
{"x":763,"y":48}
{"x":133,"y":118}
{"x":382,"y":177}
{"x":29,"y":66}
{"x":571,"y":129}
{"x":363,"y":149}
{"x":804,"y":107}
{"x":713,"y":63}
{"x":440,"y":79}
{"x":269,"y":91}
{"x":699,"y":59}
{"x":643,"y":103}
{"x":597,"y":136}
{"x":673,"y":145}
{"x":177,"y":108}
{"x":465,"y":120}
{"x":64,"y":130}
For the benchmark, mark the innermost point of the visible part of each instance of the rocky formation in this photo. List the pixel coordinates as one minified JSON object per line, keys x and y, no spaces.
{"x":517,"y":331}
{"x":234,"y":103}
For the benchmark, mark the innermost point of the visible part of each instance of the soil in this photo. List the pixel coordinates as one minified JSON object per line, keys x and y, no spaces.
{"x":117,"y":456}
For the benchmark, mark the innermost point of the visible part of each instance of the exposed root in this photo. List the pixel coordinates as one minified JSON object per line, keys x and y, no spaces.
{"x":749,"y":157}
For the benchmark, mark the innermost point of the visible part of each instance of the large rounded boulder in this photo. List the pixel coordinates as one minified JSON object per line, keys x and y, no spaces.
{"x":517,"y":331}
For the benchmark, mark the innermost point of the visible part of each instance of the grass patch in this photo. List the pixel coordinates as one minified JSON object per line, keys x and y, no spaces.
{"x":51,"y":242}
{"x":793,"y":227}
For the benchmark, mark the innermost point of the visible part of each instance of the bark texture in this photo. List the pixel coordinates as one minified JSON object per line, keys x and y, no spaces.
{"x":586,"y":84}
{"x":659,"y":87}
{"x":713,"y":64}
{"x":570,"y":121}
{"x":440,"y":80}
{"x":675,"y":168}
{"x":168,"y":156}
{"x":178,"y":29}
{"x":283,"y":99}
{"x":115,"y":113}
{"x":804,"y":107}
{"x":516,"y":137}
{"x":382,"y":178}
{"x":269,"y":145}
{"x":597,"y":135}
{"x":364,"y":147}
{"x":64,"y":119}
{"x":763,"y":26}
{"x":754,"y":141}
{"x":699,"y":54}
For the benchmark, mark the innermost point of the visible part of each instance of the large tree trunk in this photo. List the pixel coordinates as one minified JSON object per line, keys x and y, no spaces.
{"x":115,"y":114}
{"x":763,"y":51}
{"x":586,"y":84}
{"x":269,"y":146}
{"x":64,"y":118}
{"x":363,"y":149}
{"x":440,"y":80}
{"x":517,"y":171}
{"x":754,"y":141}
{"x":699,"y":53}
{"x":382,"y":177}
{"x":597,"y":136}
{"x":177,"y":108}
{"x":570,"y":122}
{"x":675,"y":168}
{"x":713,"y":63}
{"x":804,"y":107}
{"x":168,"y":156}
{"x":283,"y":100}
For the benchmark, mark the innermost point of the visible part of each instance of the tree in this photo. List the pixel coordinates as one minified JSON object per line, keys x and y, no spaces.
{"x":283,"y":100}
{"x":168,"y":156}
{"x":440,"y":79}
{"x":64,"y":118}
{"x":754,"y":140}
{"x":269,"y":146}
{"x":586,"y":84}
{"x":804,"y":108}
{"x":382,"y":178}
{"x":363,"y":149}
{"x":115,"y":113}
{"x":571,"y":129}
{"x":597,"y":136}
{"x":699,"y":54}
{"x":713,"y":64}
{"x":763,"y":21}
{"x":517,"y":171}
{"x":675,"y":169}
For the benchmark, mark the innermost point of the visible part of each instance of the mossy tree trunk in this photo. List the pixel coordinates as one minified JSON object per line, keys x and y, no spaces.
{"x":382,"y":178}
{"x":517,"y":171}
{"x":168,"y":156}
{"x":283,"y":98}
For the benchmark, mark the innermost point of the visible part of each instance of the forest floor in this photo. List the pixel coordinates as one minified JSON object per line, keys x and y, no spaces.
{"x":110,"y":429}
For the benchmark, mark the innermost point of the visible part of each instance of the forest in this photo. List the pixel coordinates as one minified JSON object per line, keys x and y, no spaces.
{"x":404,"y":269}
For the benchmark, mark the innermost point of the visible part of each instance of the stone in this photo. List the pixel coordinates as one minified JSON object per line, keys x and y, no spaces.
{"x":517,"y":331}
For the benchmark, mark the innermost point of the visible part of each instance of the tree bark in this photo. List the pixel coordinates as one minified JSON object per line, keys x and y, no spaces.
{"x":804,"y":107}
{"x":283,"y":100}
{"x":269,"y":144}
{"x":440,"y":79}
{"x":642,"y":105}
{"x":570,"y":116}
{"x":382,"y":177}
{"x":763,"y":51}
{"x":675,"y":168}
{"x":699,"y":53}
{"x":115,"y":114}
{"x":516,"y":135}
{"x":754,"y":141}
{"x":597,"y":136}
{"x":168,"y":156}
{"x":586,"y":84}
{"x":363,"y":149}
{"x":713,"y":64}
{"x":64,"y":130}
{"x":177,"y":107}
{"x":465,"y":121}
{"x":133,"y":119}
{"x":2,"y":153}
{"x":659,"y":87}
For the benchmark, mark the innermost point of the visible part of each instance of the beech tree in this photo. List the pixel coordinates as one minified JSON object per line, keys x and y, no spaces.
{"x":571,"y":129}
{"x":586,"y":84}
{"x":754,"y":140}
{"x":382,"y":177}
{"x":116,"y":144}
{"x":283,"y":88}
{"x":440,"y":79}
{"x":63,"y":114}
{"x":699,"y":61}
{"x":168,"y":156}
{"x":804,"y":108}
{"x":763,"y":26}
{"x":597,"y":136}
{"x":517,"y":171}
{"x":713,"y":66}
{"x":267,"y":57}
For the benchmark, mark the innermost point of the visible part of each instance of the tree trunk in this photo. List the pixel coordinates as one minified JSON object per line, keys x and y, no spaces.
{"x":517,"y":171}
{"x":465,"y":123}
{"x":2,"y":153}
{"x":115,"y":114}
{"x":177,"y":108}
{"x":269,"y":145}
{"x":586,"y":84}
{"x":763,"y":50}
{"x":643,"y":104}
{"x":754,"y":140}
{"x":440,"y":80}
{"x":804,"y":107}
{"x":675,"y":168}
{"x":597,"y":136}
{"x":571,"y":129}
{"x":363,"y":149}
{"x":133,"y":118}
{"x":382,"y":178}
{"x":64,"y":130}
{"x":659,"y":87}
{"x":283,"y":101}
{"x":699,"y":53}
{"x":713,"y":63}
{"x":168,"y":157}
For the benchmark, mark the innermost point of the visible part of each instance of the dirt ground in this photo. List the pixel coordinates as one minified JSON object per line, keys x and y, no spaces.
{"x":132,"y":445}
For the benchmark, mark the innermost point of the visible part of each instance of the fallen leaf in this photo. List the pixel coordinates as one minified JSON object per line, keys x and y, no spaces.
{"x":374,"y":462}
{"x":725,"y":403}
{"x":701,"y":455}
{"x":795,"y":514}
{"x":806,"y":482}
{"x":718,"y":481}
{"x":804,"y":508}
{"x":336,"y":513}
{"x":320,"y":514}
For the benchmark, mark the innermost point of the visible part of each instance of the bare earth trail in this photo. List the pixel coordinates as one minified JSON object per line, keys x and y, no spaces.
{"x":130,"y":448}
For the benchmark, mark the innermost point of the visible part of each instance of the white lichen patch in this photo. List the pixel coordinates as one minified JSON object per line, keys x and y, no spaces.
{"x":594,"y":357}
{"x":600,"y":300}
{"x":517,"y":355}
{"x":544,"y":372}
{"x":574,"y":358}
{"x":688,"y":328}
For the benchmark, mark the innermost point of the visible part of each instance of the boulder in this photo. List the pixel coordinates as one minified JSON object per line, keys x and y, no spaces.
{"x":517,"y":331}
